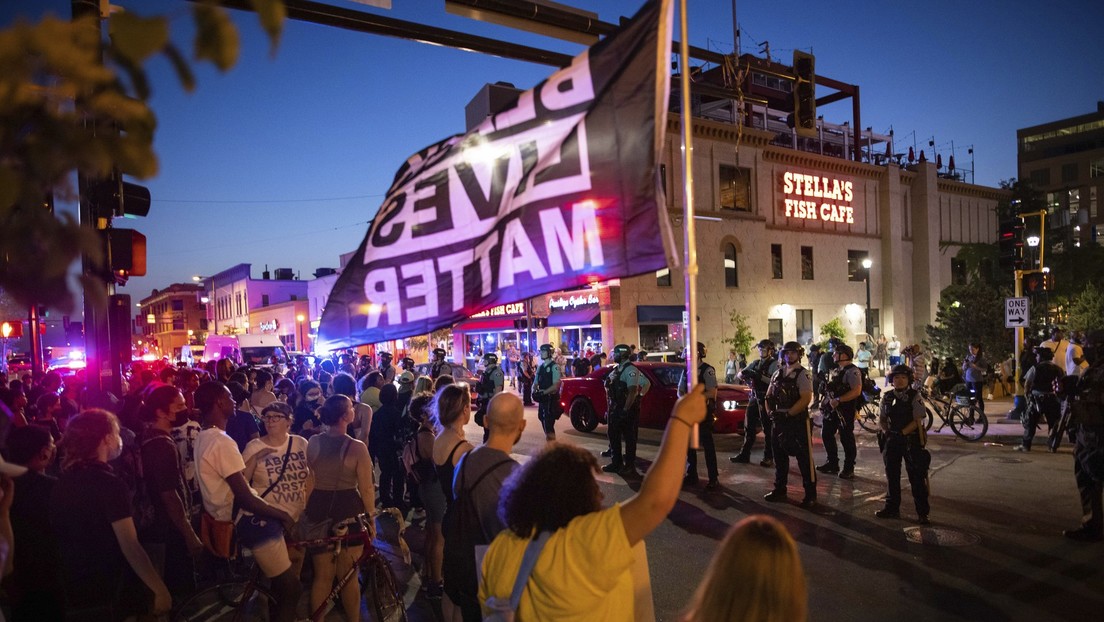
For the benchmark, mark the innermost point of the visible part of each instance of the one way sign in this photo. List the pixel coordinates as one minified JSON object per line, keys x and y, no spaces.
{"x":1017,"y":312}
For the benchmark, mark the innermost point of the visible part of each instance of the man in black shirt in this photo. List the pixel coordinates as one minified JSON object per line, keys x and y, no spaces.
{"x":36,"y":570}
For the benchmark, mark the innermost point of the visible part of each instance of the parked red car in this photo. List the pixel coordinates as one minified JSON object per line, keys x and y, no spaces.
{"x":584,"y":399}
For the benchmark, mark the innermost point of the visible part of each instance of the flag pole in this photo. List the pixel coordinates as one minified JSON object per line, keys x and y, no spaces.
{"x":690,"y":251}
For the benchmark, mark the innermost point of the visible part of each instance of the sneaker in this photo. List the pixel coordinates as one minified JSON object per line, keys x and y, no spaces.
{"x":1023,"y":448}
{"x":712,"y":485}
{"x":775,"y":495}
{"x":613,"y":467}
{"x":1084,"y":534}
{"x":923,"y":519}
{"x":740,"y":459}
{"x":887,"y":513}
{"x":847,"y":473}
{"x":766,"y":462}
{"x":607,"y":453}
{"x":1052,"y":450}
{"x":828,"y":467}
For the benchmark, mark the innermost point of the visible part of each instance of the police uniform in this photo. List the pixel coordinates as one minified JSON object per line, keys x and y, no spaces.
{"x":623,"y":416}
{"x":1040,"y":378}
{"x":1087,"y":422}
{"x":526,"y":374}
{"x":386,"y":369}
{"x":758,"y":374}
{"x":792,"y":434}
{"x":899,"y":409}
{"x":548,"y":376}
{"x":707,"y":376}
{"x":439,"y":367}
{"x":491,"y":383}
{"x":841,"y":419}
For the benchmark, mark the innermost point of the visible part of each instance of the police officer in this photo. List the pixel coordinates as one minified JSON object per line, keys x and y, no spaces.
{"x":623,"y":386}
{"x":707,"y":376}
{"x":758,"y":375}
{"x":901,"y":421}
{"x":1085,"y":396}
{"x":491,"y":382}
{"x":438,"y":367}
{"x":788,"y":398}
{"x":408,"y":365}
{"x":385,"y":368}
{"x":837,"y":408}
{"x":547,"y":391}
{"x":1039,"y":386}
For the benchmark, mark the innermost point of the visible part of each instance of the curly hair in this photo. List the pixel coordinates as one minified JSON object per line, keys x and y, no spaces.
{"x":550,"y":490}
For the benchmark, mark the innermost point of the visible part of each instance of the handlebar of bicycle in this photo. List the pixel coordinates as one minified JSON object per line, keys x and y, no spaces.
{"x":364,"y":536}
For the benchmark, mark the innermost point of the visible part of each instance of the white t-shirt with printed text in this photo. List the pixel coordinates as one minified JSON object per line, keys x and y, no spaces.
{"x":290,"y":494}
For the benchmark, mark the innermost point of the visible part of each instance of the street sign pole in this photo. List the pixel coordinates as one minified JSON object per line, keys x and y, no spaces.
{"x":1018,"y":400}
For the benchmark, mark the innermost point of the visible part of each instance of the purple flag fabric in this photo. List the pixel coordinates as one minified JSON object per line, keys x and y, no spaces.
{"x":558,"y":191}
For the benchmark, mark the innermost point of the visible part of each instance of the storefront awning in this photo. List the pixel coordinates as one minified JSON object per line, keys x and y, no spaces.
{"x":578,"y":317}
{"x":659,"y":314}
{"x":482,"y":325}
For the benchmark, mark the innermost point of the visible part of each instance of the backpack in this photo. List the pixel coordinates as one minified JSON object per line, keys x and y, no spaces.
{"x":132,"y":471}
{"x":462,"y":531}
{"x":417,"y":469}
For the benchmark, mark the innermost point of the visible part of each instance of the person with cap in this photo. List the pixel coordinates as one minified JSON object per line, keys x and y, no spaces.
{"x":788,"y":398}
{"x":623,"y":390}
{"x":838,"y":408}
{"x":547,"y":391}
{"x":707,"y":376}
{"x":1085,"y":401}
{"x":491,"y":382}
{"x":758,"y":375}
{"x":1039,"y":387}
{"x":385,"y":368}
{"x":438,"y":366}
{"x":901,"y":437}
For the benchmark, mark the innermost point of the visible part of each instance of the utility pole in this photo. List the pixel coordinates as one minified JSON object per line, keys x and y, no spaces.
{"x":1019,"y":338}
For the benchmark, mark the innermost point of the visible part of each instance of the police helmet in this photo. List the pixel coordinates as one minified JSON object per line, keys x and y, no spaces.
{"x":621,"y":352}
{"x":844,"y":349}
{"x":765,"y":343}
{"x":546,"y":349}
{"x":1044,"y":353}
{"x":793,"y":346}
{"x":407,"y":362}
{"x":490,"y":358}
{"x":901,"y":369}
{"x":439,"y":353}
{"x":701,"y":350}
{"x":386,"y":356}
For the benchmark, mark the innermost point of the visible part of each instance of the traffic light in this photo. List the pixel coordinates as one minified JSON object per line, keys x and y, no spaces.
{"x":127,"y":251}
{"x":804,"y":94}
{"x":1010,"y":241}
{"x":1034,"y":283}
{"x":115,"y":198}
{"x":11,"y":329}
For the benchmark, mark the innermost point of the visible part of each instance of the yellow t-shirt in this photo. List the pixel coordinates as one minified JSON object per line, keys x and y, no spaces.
{"x":583,"y":573}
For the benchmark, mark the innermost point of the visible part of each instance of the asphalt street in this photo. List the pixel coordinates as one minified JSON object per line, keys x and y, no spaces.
{"x":994,"y":550}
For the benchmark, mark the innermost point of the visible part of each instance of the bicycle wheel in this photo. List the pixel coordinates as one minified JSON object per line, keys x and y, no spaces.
{"x":868,"y":417}
{"x":969,"y":423}
{"x":227,"y":602}
{"x":381,"y":591}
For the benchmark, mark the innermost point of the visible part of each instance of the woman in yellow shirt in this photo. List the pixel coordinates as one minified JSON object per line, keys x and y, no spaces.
{"x":583,"y":572}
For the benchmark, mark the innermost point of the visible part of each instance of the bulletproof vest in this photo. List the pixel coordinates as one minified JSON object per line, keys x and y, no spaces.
{"x":544,"y":375}
{"x":617,"y":390}
{"x":837,"y":381}
{"x":1045,"y":375}
{"x":436,"y":369}
{"x":899,"y":409}
{"x":754,"y":373}
{"x":783,"y":392}
{"x":486,"y":384}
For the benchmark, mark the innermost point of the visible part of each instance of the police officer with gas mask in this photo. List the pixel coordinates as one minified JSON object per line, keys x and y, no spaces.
{"x":385,"y":368}
{"x":547,"y":391}
{"x":901,"y":437}
{"x":757,"y":376}
{"x":491,"y":382}
{"x":788,"y":398}
{"x":438,"y":367}
{"x":707,"y":376}
{"x":408,"y":365}
{"x":623,"y":386}
{"x":1085,"y":401}
{"x":837,"y":410}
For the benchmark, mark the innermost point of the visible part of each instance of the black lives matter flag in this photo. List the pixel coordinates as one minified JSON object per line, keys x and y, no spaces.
{"x":559,"y":191}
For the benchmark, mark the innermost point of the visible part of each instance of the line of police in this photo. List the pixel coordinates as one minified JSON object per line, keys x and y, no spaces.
{"x":782,"y":391}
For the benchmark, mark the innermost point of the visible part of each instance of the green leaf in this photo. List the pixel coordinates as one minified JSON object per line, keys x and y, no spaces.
{"x":272,"y":14}
{"x":183,"y":69}
{"x":136,"y":38}
{"x":216,"y":37}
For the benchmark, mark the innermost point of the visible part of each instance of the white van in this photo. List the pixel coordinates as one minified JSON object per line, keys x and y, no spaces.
{"x":255,"y":350}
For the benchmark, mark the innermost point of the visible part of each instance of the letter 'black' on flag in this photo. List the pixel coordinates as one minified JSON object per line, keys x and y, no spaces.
{"x":559,"y":191}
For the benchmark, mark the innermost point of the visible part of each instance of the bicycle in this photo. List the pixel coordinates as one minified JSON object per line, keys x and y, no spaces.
{"x":961,"y":412}
{"x":249,"y":600}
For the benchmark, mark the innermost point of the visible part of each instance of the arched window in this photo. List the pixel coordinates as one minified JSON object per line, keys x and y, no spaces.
{"x":732,"y":276}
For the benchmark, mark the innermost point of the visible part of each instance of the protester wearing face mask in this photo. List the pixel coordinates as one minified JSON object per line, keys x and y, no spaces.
{"x":99,"y":549}
{"x":169,"y":539}
{"x":306,"y":421}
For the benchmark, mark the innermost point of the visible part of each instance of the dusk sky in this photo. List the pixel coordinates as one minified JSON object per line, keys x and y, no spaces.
{"x":285,"y":159}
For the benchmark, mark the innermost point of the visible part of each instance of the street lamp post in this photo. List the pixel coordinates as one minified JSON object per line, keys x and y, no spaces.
{"x":866,"y":264}
{"x":302,"y":346}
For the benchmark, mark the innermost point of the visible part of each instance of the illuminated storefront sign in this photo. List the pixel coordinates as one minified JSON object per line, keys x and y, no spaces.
{"x":573,"y":302}
{"x":814,"y":197}
{"x":269,"y":326}
{"x":515,"y":308}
